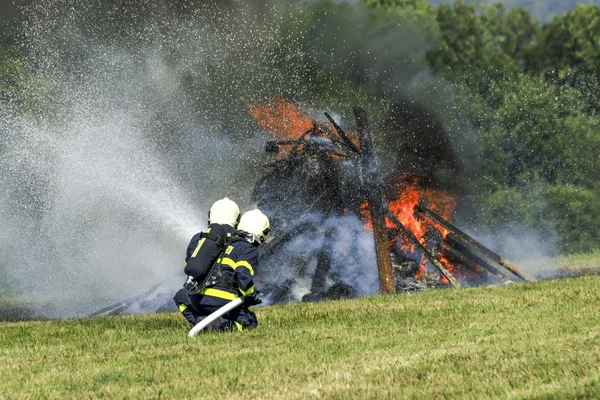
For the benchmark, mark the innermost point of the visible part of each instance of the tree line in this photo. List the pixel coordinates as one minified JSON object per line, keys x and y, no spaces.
{"x":520,"y":97}
{"x":542,"y":10}
{"x":536,"y":91}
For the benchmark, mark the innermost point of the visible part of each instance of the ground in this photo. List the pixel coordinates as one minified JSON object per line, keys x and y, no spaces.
{"x":519,"y":341}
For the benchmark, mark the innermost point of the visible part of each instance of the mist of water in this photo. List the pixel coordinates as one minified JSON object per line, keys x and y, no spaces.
{"x":106,"y":181}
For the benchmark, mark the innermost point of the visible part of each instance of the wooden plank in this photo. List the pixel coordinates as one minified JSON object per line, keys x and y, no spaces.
{"x":468,"y":239}
{"x":413,"y":239}
{"x":373,"y":193}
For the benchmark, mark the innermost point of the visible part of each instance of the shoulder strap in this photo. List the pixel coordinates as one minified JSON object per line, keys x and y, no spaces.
{"x":220,"y":241}
{"x":212,"y":268}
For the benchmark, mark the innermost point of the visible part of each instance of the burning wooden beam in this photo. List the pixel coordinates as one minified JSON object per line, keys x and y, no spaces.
{"x":371,"y":185}
{"x":455,"y":244}
{"x":468,"y":239}
{"x":455,"y":255}
{"x":426,"y":253}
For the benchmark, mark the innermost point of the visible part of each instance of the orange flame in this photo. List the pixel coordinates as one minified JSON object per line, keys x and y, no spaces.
{"x":285,"y":121}
{"x":282,"y":118}
{"x":408,"y":195}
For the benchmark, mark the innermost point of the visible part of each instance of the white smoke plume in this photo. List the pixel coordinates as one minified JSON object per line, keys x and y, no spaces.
{"x":351,"y":251}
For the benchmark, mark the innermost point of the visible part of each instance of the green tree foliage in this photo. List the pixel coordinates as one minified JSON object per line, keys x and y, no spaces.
{"x":570,"y":47}
{"x":539,"y":157}
{"x":565,"y":214}
{"x":482,"y":47}
{"x":542,"y":10}
{"x":540,"y":133}
{"x":11,"y":69}
{"x":531,"y":96}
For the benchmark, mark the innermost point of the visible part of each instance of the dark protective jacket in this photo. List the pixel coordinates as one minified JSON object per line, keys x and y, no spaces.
{"x":205,"y":248}
{"x":233,"y":275}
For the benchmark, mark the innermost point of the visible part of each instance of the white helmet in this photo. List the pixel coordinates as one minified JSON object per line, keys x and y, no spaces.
{"x":224,"y":212}
{"x":257,"y":224}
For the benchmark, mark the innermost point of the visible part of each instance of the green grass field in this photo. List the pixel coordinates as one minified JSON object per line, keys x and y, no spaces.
{"x":564,"y":266}
{"x":538,"y":340}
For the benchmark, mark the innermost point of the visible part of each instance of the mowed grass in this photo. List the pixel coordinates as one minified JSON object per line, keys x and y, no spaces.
{"x":564,"y":266}
{"x":538,"y":340}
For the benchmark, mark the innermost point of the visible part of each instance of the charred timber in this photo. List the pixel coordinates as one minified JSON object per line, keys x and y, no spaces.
{"x":374,"y":196}
{"x":468,"y":239}
{"x":346,"y":140}
{"x":456,"y":244}
{"x":413,"y":239}
{"x":455,"y":255}
{"x":323,"y":263}
{"x":337,"y":140}
{"x":294,"y":152}
{"x":277,"y":244}
{"x":121,"y":306}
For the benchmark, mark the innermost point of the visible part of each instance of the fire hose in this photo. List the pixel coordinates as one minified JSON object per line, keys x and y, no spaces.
{"x":212,"y":317}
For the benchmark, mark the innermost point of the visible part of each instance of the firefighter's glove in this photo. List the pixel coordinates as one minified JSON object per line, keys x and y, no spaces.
{"x":252,"y":299}
{"x":190,"y":283}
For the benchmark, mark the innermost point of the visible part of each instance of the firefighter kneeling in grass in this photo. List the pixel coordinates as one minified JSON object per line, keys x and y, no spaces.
{"x":231,"y":276}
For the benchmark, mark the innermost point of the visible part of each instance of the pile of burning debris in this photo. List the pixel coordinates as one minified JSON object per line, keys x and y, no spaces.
{"x":325,"y":171}
{"x":320,"y":168}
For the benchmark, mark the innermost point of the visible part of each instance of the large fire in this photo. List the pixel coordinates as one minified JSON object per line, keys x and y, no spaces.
{"x":286,"y":122}
{"x":282,"y":118}
{"x":407,"y":194}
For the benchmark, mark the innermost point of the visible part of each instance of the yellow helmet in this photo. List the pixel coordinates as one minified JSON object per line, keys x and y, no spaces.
{"x":257,"y":224}
{"x":224,"y":212}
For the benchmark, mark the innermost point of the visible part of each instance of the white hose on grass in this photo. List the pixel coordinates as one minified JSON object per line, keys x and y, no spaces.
{"x":223,"y":310}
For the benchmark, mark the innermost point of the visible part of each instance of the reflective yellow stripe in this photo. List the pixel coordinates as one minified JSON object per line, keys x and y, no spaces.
{"x":230,"y":263}
{"x":238,"y":325}
{"x":182,"y":307}
{"x":226,"y":261}
{"x":245,"y":264}
{"x":219,"y":293}
{"x":247,"y":292}
{"x":200,"y":243}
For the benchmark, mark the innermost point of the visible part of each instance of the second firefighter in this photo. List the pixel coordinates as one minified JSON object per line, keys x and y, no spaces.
{"x":231,"y":276}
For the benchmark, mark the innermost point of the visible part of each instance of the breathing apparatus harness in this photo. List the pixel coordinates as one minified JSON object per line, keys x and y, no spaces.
{"x":192,"y":283}
{"x":217,"y":278}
